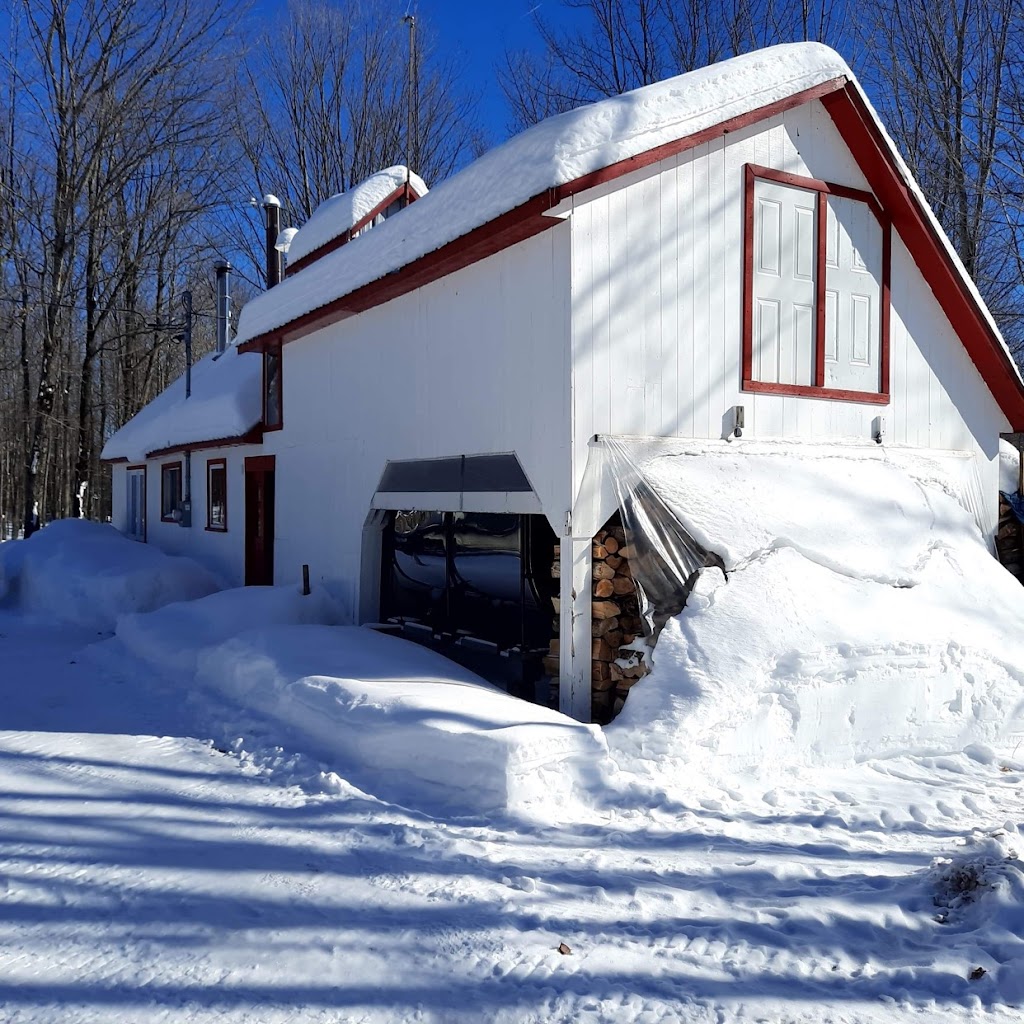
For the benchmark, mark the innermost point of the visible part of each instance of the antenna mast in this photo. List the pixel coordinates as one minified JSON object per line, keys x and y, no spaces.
{"x":412,"y":118}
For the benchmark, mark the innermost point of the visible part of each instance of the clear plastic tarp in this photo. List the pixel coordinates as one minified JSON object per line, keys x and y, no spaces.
{"x":686,"y":505}
{"x":665,"y":558}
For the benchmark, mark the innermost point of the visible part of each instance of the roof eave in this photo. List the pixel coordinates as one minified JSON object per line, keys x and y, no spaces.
{"x":514,"y":226}
{"x":969,"y":319}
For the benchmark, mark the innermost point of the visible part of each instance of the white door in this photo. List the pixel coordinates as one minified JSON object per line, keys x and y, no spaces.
{"x":853,"y":291}
{"x":785,"y":257}
{"x":136,"y":498}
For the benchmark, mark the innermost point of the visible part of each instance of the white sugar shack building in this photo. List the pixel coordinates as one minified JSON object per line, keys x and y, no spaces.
{"x":734,"y":256}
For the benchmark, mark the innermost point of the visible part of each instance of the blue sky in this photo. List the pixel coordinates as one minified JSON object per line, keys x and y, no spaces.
{"x":476,"y":33}
{"x":479,"y":33}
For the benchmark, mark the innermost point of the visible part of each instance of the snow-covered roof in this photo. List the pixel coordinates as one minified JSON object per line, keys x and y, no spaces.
{"x":334,"y":216}
{"x":554,"y":152}
{"x":566,"y":148}
{"x":226,"y":402}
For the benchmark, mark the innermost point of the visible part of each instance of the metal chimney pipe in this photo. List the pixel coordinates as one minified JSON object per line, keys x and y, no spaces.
{"x":223,"y":269}
{"x":272,"y":206}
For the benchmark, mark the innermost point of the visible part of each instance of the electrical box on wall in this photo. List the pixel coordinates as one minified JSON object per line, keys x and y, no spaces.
{"x":185,"y":508}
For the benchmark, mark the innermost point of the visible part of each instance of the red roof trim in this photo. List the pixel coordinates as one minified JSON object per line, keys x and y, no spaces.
{"x":254,"y":436}
{"x":855,"y":123}
{"x":404,"y":191}
{"x":514,"y":226}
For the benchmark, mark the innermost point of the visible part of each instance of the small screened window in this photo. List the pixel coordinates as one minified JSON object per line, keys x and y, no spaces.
{"x":272,"y":418}
{"x":135,"y":497}
{"x":217,"y":494}
{"x":170,"y":492}
{"x":816,"y":289}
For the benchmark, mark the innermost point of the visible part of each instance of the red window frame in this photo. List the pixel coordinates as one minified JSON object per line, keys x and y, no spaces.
{"x":212,"y":464}
{"x":823,"y":190}
{"x":276,"y":350}
{"x":164,"y":466}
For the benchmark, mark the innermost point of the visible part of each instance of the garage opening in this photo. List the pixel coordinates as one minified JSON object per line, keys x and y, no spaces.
{"x":479,"y":588}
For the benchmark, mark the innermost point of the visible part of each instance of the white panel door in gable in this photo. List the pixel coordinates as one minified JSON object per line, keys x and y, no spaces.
{"x":853,"y":290}
{"x":784,"y":265}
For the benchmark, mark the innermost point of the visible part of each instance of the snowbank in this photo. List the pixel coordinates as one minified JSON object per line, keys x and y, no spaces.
{"x":226,"y":402}
{"x":863,"y":616}
{"x":171,"y":638}
{"x":405,"y":723}
{"x":88,"y":574}
{"x":397,"y":719}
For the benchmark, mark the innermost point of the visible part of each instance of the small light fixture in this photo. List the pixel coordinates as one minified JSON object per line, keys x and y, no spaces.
{"x":738,"y":421}
{"x":878,"y":429}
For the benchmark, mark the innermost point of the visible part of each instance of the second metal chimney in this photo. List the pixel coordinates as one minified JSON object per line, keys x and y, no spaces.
{"x":272,"y":206}
{"x":223,"y":269}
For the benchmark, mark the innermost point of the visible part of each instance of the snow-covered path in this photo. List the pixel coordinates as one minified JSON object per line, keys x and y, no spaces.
{"x":146,"y":875}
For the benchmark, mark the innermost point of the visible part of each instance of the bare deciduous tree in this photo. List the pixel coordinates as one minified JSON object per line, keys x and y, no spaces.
{"x":322,"y":104}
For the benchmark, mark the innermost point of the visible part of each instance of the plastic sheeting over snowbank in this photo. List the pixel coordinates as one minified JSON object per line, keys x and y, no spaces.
{"x":863,"y":613}
{"x":89,"y":574}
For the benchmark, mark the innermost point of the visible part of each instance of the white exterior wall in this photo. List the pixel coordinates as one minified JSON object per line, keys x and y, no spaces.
{"x":223,"y":552}
{"x":657,"y":265}
{"x":474,"y":363}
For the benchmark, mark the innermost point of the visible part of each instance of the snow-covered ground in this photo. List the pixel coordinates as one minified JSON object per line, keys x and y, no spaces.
{"x":204,"y":826}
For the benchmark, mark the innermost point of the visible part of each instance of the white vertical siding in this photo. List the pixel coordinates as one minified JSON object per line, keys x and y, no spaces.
{"x":476,"y":362}
{"x":223,"y":552}
{"x":679,"y":225}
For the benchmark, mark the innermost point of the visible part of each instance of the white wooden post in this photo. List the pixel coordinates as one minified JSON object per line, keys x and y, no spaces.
{"x":575,"y":628}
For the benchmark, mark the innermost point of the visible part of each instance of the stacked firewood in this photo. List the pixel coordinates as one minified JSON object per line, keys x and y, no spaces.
{"x":617,"y":659}
{"x":617,"y":648}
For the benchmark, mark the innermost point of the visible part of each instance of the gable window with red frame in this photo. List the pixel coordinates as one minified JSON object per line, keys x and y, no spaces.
{"x":817,"y":262}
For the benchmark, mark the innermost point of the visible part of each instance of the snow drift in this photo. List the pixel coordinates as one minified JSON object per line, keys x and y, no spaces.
{"x":399,"y":720}
{"x":404,"y":722}
{"x":863,"y":616}
{"x":88,"y":574}
{"x":171,"y":638}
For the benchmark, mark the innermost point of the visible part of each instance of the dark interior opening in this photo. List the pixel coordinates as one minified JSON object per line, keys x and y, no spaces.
{"x":476,"y":586}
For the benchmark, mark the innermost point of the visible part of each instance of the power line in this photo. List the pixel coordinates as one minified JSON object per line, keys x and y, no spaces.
{"x":111,"y":309}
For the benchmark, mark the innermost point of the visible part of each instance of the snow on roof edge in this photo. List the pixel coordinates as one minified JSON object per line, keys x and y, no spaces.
{"x":341,"y":212}
{"x":933,"y":221}
{"x":226,"y":402}
{"x":757,"y":80}
{"x":552,"y":153}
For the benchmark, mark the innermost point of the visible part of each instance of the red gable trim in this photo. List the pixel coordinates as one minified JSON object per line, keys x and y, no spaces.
{"x":515,"y":226}
{"x":858,"y":128}
{"x":404,"y":191}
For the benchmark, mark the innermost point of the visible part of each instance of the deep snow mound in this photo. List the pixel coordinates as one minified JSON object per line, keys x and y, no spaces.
{"x":863,"y":616}
{"x":171,"y":638}
{"x":88,"y":574}
{"x":405,"y":723}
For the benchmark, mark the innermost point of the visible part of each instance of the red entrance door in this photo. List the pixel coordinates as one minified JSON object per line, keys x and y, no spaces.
{"x":259,"y":521}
